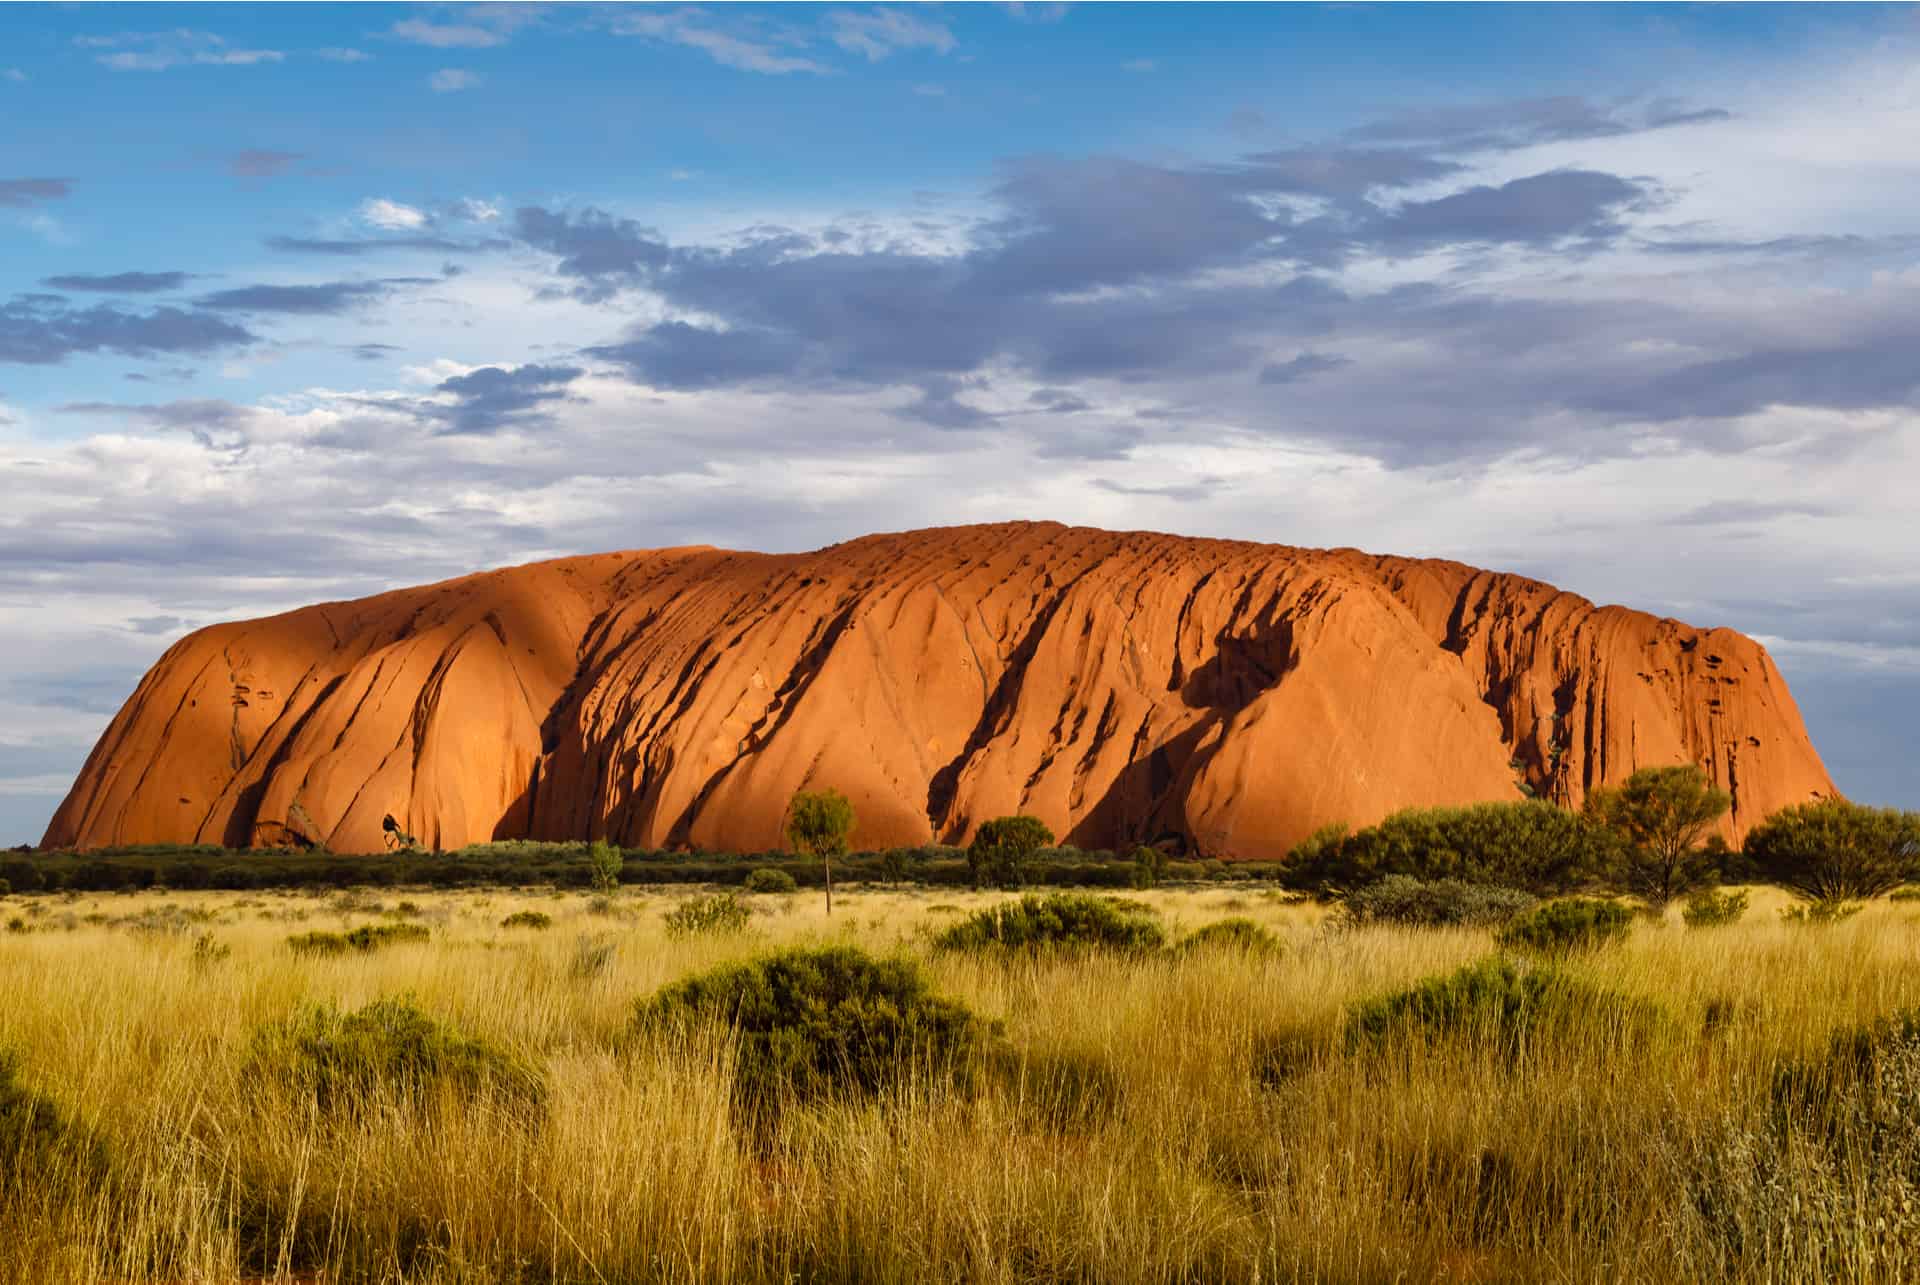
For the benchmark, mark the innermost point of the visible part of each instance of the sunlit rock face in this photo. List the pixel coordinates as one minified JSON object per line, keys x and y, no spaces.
{"x":1123,"y":686}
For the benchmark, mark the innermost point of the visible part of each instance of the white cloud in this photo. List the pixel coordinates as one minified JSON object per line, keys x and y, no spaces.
{"x":343,"y":55}
{"x":450,"y":80}
{"x":391,"y":215}
{"x":879,"y":33}
{"x":693,"y":29}
{"x":161,"y":50}
{"x":445,"y":36}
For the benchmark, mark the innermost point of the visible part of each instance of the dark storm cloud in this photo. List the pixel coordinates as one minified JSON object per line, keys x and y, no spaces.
{"x":1537,"y":211}
{"x":1057,"y":401}
{"x":1873,"y":371}
{"x":325,"y":299}
{"x":492,"y":398}
{"x":43,"y":330}
{"x":119,"y":282}
{"x":939,"y":406}
{"x":601,"y":252}
{"x":22,"y":193}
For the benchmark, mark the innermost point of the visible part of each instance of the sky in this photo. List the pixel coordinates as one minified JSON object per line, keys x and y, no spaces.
{"x":301,"y":303}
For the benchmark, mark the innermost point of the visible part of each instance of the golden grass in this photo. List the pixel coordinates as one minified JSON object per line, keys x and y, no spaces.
{"x":1583,"y":1160}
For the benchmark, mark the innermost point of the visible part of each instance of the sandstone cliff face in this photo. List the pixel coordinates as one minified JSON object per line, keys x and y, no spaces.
{"x":1122,"y":686}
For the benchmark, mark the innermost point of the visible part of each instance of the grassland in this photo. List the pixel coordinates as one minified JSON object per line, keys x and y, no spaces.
{"x":1177,"y":1117}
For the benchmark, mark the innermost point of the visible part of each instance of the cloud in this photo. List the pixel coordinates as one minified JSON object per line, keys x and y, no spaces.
{"x":1538,"y":210}
{"x":43,"y":330}
{"x":597,"y":250}
{"x":1057,"y":401}
{"x":1304,"y":366}
{"x":1532,"y":122}
{"x":445,"y":36}
{"x":374,"y":352}
{"x":119,"y":282}
{"x":162,"y":50}
{"x":340,"y":54}
{"x":261,"y":163}
{"x":491,"y":398}
{"x":25,"y":193}
{"x":391,"y":216}
{"x":155,"y":625}
{"x":356,"y":246}
{"x":451,"y":80}
{"x":324,"y":299}
{"x":695,"y":29}
{"x":879,"y":33}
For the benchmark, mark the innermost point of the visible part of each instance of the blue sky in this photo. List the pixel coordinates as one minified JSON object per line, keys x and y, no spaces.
{"x":301,"y":302}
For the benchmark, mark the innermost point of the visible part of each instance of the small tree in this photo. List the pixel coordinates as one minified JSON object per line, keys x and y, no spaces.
{"x":604,"y":862}
{"x":1837,"y":851}
{"x":1661,"y":815}
{"x":818,"y":824}
{"x":1003,"y":847}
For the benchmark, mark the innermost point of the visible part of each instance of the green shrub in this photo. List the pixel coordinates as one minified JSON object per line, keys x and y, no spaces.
{"x":1060,"y":921}
{"x":1002,"y":850}
{"x":208,"y":950}
{"x":1710,"y":909}
{"x":1433,"y":903}
{"x":720,"y":912}
{"x":769,"y":880}
{"x":1819,"y":914}
{"x":1236,"y":934}
{"x":1904,"y":894}
{"x":1532,"y":845}
{"x":389,"y":1047}
{"x":605,"y":862}
{"x":537,"y":919}
{"x":821,"y":1022}
{"x":1497,"y":1001}
{"x":366,"y":938}
{"x":1834,"y":851}
{"x":1563,"y":927}
{"x":35,"y":1136}
{"x":1661,"y":816}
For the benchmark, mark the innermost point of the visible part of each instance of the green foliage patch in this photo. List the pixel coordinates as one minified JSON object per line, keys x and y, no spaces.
{"x":1003,"y":849}
{"x":1237,"y":934}
{"x":1062,"y":921}
{"x":1711,"y":908}
{"x":1433,"y":903}
{"x":1834,"y":851}
{"x":1565,"y":927}
{"x":768,"y":880}
{"x":365,"y":938}
{"x":821,"y":1022}
{"x":1532,"y":846}
{"x":715,"y":914}
{"x":388,"y":1049}
{"x":1497,"y":1001}
{"x":536,"y":919}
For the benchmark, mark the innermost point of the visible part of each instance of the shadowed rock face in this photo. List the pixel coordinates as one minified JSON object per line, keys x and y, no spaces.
{"x":1120,"y":685}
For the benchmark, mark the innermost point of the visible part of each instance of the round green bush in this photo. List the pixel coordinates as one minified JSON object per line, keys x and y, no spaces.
{"x":345,"y":1060}
{"x":537,"y":919}
{"x":1236,"y":934}
{"x":1062,"y":921}
{"x":821,"y":1022}
{"x":1711,"y":908}
{"x":767,"y":879}
{"x":1563,"y":927}
{"x":717,"y":913}
{"x":1500,"y":1001}
{"x":1002,"y":851}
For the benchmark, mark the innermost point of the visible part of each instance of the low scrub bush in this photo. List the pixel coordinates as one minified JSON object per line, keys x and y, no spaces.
{"x":591,"y":958}
{"x":1533,"y":846}
{"x":1002,"y":852}
{"x":823,"y":1022}
{"x":1060,"y":921}
{"x":717,"y":913}
{"x":1433,"y":903}
{"x":766,"y":879}
{"x":366,"y":938}
{"x":389,"y":1048}
{"x":1563,"y":927}
{"x":1497,"y":1001}
{"x":535,"y":919}
{"x":1236,"y":934}
{"x":35,"y":1136}
{"x":1819,"y":914}
{"x":1709,"y":908}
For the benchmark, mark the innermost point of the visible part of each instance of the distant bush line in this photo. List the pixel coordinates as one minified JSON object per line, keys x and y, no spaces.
{"x":563,"y":865}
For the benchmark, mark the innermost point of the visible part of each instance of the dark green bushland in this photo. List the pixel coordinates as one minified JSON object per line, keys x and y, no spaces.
{"x":768,"y":880}
{"x":367,"y":937}
{"x":1060,"y":921}
{"x":1532,"y":845}
{"x":717,"y":913}
{"x":1712,"y":908}
{"x":825,"y":1022}
{"x":536,"y":919}
{"x":1433,"y":903}
{"x":35,"y":1137}
{"x":1236,"y":934}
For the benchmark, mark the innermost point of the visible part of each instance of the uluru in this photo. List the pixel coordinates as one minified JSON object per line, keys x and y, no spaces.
{"x":1227,"y":696}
